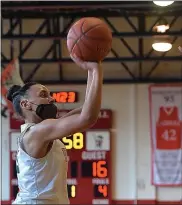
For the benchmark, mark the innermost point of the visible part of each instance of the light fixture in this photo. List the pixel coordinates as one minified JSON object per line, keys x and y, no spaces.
{"x":161,"y":43}
{"x":161,"y":27}
{"x":163,"y":3}
{"x":161,"y":46}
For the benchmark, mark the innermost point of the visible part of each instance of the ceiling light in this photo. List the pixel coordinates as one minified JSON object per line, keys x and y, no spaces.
{"x":163,"y":3}
{"x":161,"y":27}
{"x":161,"y":46}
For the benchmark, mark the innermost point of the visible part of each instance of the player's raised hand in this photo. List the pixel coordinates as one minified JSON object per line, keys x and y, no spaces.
{"x":84,"y":64}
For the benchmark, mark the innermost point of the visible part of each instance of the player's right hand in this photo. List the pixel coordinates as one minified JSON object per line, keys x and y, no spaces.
{"x":180,"y":48}
{"x":84,"y":64}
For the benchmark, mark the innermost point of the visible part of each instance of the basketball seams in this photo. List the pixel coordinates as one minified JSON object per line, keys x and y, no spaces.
{"x":83,"y":35}
{"x":96,"y":39}
{"x":86,"y":45}
{"x":81,"y":38}
{"x":77,"y":38}
{"x":85,"y":32}
{"x":75,"y":31}
{"x":76,"y":42}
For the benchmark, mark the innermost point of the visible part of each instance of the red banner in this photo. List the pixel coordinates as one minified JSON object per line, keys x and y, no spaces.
{"x":166,"y":134}
{"x":10,"y":76}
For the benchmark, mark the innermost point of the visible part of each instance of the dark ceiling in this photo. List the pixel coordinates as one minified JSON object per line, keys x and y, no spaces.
{"x":141,"y":66}
{"x":30,"y":9}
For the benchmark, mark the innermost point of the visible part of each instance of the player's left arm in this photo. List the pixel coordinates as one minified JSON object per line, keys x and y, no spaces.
{"x":78,"y":110}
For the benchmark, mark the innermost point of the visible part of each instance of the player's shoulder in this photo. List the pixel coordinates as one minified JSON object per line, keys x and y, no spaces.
{"x":31,"y":136}
{"x":32,"y":142}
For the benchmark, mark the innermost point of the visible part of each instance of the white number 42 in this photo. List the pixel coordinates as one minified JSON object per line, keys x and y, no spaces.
{"x":169,"y":135}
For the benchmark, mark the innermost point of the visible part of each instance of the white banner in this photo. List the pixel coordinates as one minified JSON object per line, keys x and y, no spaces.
{"x":166,"y":133}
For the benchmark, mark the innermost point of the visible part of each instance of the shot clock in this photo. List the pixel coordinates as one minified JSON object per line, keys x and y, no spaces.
{"x":65,"y":96}
{"x":89,"y":167}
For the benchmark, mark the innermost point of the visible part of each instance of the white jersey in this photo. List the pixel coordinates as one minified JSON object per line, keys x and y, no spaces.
{"x":44,"y":180}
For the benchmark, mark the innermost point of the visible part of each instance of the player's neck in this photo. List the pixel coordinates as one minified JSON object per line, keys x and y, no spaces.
{"x":32,"y":119}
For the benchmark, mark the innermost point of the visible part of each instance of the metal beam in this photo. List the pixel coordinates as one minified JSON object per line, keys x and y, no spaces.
{"x":121,"y":39}
{"x":27,"y":46}
{"x":12,"y":42}
{"x":130,"y":22}
{"x":39,"y":64}
{"x":113,"y":81}
{"x":111,"y":60}
{"x":57,"y":44}
{"x":115,"y":34}
{"x":3,"y":56}
{"x":123,"y":64}
{"x":142,"y":27}
{"x":13,"y":26}
{"x":78,"y":9}
{"x":54,"y":5}
{"x":72,"y":5}
{"x":87,"y":13}
{"x":21,"y":45}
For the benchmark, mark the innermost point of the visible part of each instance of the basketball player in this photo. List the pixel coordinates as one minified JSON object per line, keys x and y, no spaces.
{"x":41,"y":156}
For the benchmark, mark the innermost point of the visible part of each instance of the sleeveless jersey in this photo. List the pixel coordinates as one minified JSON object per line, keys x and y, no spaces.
{"x":168,"y":129}
{"x":168,"y":114}
{"x":44,"y":180}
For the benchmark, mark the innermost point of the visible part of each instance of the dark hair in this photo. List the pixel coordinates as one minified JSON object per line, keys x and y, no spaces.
{"x":15,"y":93}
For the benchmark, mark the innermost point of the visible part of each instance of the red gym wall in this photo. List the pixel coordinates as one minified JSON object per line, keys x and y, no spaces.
{"x":131,"y":149}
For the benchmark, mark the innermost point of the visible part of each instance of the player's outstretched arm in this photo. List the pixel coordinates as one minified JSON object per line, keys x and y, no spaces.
{"x":78,"y":110}
{"x":49,"y":130}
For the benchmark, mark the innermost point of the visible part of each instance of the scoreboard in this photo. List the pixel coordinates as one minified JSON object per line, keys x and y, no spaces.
{"x":89,"y":167}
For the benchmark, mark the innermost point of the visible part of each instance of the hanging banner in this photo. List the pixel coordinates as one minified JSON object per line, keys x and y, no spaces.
{"x":10,"y":76}
{"x":166,"y":133}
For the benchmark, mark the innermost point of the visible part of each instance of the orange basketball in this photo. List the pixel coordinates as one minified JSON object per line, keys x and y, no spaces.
{"x":90,"y":39}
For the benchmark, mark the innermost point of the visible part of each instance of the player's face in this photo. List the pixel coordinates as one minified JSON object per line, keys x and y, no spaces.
{"x":39,"y":94}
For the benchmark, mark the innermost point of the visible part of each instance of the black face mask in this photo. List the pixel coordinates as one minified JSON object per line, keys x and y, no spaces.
{"x":46,"y":111}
